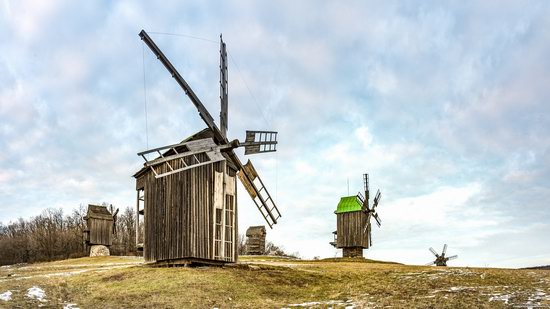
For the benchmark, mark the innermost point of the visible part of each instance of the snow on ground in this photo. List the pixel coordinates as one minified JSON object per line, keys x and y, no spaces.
{"x":348,"y":304}
{"x":66,"y":273}
{"x":39,"y":267}
{"x":500,"y":297}
{"x":70,"y":306}
{"x":36,"y":293}
{"x":5,"y":296}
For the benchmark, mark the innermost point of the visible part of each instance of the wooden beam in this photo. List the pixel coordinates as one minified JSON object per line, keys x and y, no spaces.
{"x":203,"y":112}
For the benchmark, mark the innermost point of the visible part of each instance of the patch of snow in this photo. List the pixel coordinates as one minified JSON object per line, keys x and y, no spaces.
{"x":5,"y":296}
{"x":505,"y":298}
{"x":40,"y":267}
{"x":67,"y":273}
{"x":36,"y":293}
{"x":348,"y":304}
{"x":70,"y":306}
{"x":455,"y":289}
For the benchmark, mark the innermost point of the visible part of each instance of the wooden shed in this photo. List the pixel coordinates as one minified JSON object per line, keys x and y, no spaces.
{"x":99,"y":226}
{"x":255,"y":240}
{"x":351,"y":234}
{"x":189,"y":216}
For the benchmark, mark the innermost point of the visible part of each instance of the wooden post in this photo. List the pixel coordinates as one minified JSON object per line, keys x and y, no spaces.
{"x":137,"y":219}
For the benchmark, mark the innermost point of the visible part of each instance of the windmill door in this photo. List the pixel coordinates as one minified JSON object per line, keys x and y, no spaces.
{"x":224,"y":217}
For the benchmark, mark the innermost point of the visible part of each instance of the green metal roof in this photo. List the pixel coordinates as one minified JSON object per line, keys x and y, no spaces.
{"x":348,"y":204}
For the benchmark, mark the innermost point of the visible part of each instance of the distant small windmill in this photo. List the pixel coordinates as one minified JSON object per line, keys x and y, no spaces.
{"x":100,"y":227}
{"x":353,"y":227}
{"x":441,"y":259}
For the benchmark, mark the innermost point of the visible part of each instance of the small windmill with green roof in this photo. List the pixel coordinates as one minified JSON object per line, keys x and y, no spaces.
{"x":353,"y":222}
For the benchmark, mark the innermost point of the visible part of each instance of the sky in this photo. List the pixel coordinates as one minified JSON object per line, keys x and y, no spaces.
{"x":444,"y":104}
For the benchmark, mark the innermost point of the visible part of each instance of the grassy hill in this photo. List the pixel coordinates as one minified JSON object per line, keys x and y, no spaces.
{"x":267,"y":282}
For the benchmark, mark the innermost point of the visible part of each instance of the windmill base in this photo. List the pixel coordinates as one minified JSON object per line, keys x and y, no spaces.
{"x":352,"y":252}
{"x":99,"y":250}
{"x":187,"y":262}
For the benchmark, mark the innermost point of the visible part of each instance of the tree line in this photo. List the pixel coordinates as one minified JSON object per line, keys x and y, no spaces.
{"x":54,"y":235}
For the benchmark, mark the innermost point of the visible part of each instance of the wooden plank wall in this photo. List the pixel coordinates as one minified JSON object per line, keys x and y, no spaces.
{"x":350,"y":227}
{"x":101,"y":231}
{"x":179,"y":213}
{"x":255,"y":245}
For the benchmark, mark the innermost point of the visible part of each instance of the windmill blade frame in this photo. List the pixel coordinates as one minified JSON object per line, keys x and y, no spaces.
{"x":261,"y":197}
{"x":444,"y":249}
{"x":452,"y":257}
{"x":366,"y":187}
{"x":434,"y":252}
{"x":377,"y":218}
{"x":367,"y":226}
{"x":376,"y":199}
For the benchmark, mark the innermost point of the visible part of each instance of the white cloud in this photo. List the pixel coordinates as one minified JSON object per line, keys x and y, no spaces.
{"x":382,"y":80}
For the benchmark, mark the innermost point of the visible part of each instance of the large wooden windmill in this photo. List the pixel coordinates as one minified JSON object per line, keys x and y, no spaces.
{"x":353,"y":222}
{"x":189,"y":191}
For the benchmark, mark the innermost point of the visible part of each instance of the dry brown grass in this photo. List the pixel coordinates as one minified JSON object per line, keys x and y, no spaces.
{"x":260,"y":282}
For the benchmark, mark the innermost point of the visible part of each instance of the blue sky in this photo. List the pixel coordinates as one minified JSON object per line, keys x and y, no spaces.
{"x":445,"y":104}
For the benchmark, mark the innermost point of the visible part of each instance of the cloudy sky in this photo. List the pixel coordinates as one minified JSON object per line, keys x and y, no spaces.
{"x":445,"y":105}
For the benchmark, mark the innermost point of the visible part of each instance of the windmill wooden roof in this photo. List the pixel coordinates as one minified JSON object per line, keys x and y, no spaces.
{"x":348,"y":204}
{"x":99,"y":212}
{"x":204,"y":133}
{"x":256,"y":231}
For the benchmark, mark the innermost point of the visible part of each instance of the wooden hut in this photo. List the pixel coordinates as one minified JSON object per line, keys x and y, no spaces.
{"x":351,"y":234}
{"x":99,"y":226}
{"x":255,"y":240}
{"x":189,"y":216}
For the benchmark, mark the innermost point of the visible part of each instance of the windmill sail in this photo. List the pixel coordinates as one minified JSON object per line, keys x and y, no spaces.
{"x":376,"y":199}
{"x":203,"y":112}
{"x":260,"y":141}
{"x":223,"y":88}
{"x":259,"y":194}
{"x":366,"y":185}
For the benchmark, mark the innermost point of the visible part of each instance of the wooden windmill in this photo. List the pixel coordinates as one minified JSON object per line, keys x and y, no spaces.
{"x":189,"y":191}
{"x":255,"y":240}
{"x":100,"y":226}
{"x":441,"y":259}
{"x":353,"y":222}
